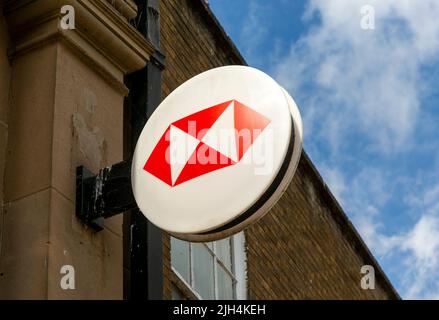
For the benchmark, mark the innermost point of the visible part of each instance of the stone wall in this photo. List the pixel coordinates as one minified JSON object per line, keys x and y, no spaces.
{"x":65,"y":109}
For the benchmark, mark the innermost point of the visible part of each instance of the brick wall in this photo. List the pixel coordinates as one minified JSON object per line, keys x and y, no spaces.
{"x":189,"y":44}
{"x":5,"y":73}
{"x":305,"y":248}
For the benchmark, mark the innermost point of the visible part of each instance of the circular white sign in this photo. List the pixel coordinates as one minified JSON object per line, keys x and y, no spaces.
{"x":217,"y":153}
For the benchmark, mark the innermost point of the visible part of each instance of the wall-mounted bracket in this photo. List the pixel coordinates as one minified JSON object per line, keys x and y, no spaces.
{"x":103,"y":195}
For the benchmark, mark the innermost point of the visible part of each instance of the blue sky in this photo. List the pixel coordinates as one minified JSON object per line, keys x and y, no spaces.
{"x":369,"y":102}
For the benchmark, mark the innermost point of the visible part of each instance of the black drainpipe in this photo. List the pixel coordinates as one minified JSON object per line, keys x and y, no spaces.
{"x":142,"y":241}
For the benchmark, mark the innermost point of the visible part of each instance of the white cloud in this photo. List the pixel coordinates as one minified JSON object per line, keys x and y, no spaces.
{"x":372,"y":233}
{"x":335,"y":179}
{"x":423,"y":241}
{"x":367,"y":80}
{"x":252,"y":32}
{"x":414,"y":252}
{"x":422,"y":246}
{"x":363,"y":197}
{"x":417,"y":249}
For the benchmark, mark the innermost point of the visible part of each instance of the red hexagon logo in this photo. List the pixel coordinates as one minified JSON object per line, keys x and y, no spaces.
{"x":205,"y":141}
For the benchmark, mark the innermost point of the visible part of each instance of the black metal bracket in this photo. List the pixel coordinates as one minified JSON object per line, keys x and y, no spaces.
{"x":158,"y":59}
{"x":103,"y":195}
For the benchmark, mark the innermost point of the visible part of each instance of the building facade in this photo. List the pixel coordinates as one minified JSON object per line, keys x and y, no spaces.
{"x":63,"y":103}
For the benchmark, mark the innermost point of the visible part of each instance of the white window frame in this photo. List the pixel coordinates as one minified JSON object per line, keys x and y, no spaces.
{"x":238,"y":266}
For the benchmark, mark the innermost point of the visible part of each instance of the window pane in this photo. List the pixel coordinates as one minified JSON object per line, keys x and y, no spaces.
{"x":223,"y":252}
{"x":180,"y":257}
{"x":203,"y":271}
{"x":210,"y":245}
{"x":225,"y":284}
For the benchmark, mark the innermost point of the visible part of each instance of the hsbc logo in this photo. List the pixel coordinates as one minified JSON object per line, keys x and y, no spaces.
{"x":208,"y":140}
{"x":217,"y":153}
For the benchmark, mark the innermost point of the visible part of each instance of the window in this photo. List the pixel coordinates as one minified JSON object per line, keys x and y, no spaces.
{"x":214,"y":270}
